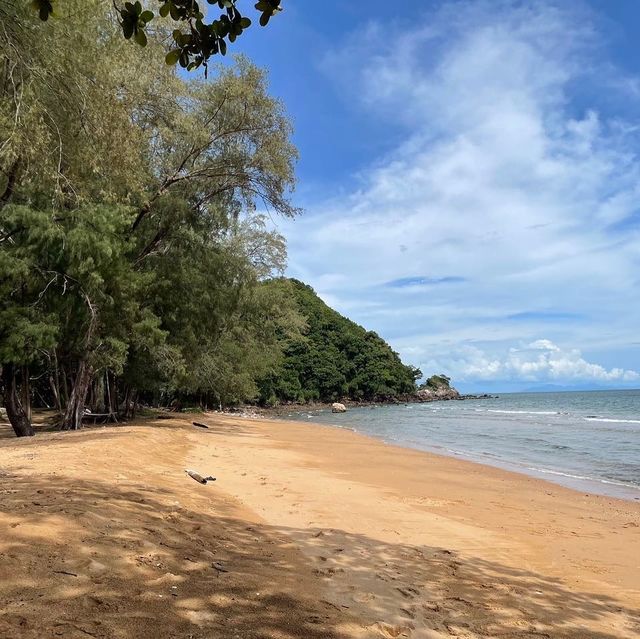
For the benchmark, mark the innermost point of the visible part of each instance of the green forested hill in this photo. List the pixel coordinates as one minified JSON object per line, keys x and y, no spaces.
{"x":334,"y":358}
{"x":135,"y":266}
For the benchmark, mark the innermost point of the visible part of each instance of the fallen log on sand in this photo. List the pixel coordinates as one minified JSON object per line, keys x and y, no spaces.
{"x":198,"y":477}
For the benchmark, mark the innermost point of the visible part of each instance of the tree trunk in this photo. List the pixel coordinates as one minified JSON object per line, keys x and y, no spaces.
{"x":26,"y":392}
{"x":55,"y":393}
{"x":135,"y":403}
{"x":96,"y":401}
{"x":65,"y":387}
{"x":15,"y":411}
{"x":55,"y":382}
{"x":112,"y":396}
{"x":72,"y":419}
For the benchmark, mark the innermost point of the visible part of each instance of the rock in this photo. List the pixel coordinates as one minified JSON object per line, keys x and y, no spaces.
{"x":437,"y":394}
{"x":338,"y":408}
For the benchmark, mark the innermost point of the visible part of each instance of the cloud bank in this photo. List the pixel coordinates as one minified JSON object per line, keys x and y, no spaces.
{"x":513,"y":193}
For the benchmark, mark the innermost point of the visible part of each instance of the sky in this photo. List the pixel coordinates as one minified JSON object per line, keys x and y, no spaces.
{"x":470,"y":178}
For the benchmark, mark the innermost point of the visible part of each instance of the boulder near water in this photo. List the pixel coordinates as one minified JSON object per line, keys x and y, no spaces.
{"x":338,"y":408}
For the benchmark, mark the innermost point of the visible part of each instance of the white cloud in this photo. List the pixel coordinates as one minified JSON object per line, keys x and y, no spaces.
{"x":503,"y":181}
{"x":542,"y":345}
{"x":540,"y":361}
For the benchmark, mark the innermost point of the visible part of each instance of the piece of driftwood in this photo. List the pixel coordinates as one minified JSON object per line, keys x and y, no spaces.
{"x":219,"y":566}
{"x":200,"y":425}
{"x":198,"y":477}
{"x":99,"y":418}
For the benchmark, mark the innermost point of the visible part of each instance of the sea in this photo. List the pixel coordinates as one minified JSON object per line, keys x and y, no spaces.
{"x":589,"y":441}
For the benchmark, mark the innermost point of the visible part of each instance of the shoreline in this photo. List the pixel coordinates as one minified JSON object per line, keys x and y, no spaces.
{"x":578,"y":484}
{"x":463,"y":458}
{"x":556,"y":476}
{"x":250,"y":411}
{"x":313,"y":531}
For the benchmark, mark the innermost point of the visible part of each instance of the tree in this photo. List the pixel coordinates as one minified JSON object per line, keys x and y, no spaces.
{"x":196,"y":38}
{"x":132,"y":254}
{"x":436,"y":382}
{"x":26,"y":329}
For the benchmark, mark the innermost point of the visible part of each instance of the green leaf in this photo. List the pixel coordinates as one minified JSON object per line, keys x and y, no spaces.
{"x":164,"y":9}
{"x":223,"y":47}
{"x":146,"y":16}
{"x":141,"y":38}
{"x":264,"y":19}
{"x":172,"y":57}
{"x":138,"y":7}
{"x":245,"y":22}
{"x":127,"y":29}
{"x":263,"y":5}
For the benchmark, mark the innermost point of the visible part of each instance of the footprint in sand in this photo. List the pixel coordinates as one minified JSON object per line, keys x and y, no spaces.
{"x":408,"y":592}
{"x":363,"y":597}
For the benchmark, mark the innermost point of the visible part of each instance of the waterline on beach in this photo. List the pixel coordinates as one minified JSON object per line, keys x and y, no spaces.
{"x":588,"y":441}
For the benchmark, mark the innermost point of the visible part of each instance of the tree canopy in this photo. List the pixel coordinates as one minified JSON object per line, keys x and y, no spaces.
{"x":131,"y":247}
{"x":138,"y":261}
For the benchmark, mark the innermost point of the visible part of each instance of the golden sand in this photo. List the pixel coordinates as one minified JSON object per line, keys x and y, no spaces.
{"x":308,"y":532}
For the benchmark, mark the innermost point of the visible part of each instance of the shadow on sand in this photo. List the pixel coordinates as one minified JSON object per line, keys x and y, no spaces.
{"x":91,"y":559}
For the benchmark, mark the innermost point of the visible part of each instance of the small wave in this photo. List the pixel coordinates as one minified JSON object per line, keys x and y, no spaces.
{"x":524,"y":412}
{"x":610,"y":420}
{"x":600,"y":480}
{"x":459,"y":452}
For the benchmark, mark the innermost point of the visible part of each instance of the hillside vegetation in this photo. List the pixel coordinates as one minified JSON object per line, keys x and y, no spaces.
{"x":136,"y":267}
{"x":333,"y":357}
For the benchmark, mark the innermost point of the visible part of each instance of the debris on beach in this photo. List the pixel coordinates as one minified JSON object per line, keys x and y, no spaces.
{"x":200,"y":425}
{"x":198,"y":477}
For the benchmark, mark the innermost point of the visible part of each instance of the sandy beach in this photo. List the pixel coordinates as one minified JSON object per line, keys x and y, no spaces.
{"x":309,"y":531}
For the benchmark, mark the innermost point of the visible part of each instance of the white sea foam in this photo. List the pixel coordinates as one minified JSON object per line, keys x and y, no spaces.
{"x":524,"y":412}
{"x":612,"y":421}
{"x":600,"y":480}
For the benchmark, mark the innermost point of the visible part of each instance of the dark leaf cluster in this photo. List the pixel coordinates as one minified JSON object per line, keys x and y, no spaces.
{"x":196,"y":39}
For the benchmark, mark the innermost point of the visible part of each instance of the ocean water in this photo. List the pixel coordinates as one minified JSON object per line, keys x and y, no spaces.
{"x":589,"y":441}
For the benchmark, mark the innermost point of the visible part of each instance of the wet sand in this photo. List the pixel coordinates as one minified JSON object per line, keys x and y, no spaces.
{"x":309,"y":531}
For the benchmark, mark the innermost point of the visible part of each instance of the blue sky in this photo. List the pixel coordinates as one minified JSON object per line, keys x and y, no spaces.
{"x":470,"y":175}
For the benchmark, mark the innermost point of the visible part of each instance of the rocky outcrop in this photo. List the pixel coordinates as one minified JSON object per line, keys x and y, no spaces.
{"x":338,"y":408}
{"x":436,"y":394}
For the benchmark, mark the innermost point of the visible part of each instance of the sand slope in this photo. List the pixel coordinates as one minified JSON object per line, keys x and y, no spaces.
{"x":308,"y":532}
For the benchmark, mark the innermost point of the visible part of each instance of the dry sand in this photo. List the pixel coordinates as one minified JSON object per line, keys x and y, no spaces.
{"x":309,"y":532}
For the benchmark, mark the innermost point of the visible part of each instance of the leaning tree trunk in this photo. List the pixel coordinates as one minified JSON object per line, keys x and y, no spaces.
{"x":72,"y":419}
{"x":18,"y":416}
